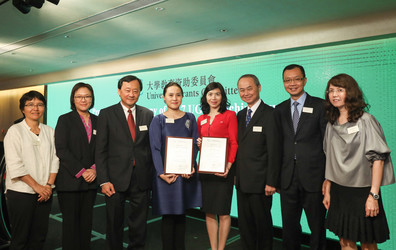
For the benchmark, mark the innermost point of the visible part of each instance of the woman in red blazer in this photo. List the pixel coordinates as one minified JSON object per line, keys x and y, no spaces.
{"x":217,"y":189}
{"x":76,"y":184}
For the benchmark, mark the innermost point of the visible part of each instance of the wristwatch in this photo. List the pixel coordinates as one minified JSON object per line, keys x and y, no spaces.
{"x":51,"y":185}
{"x":375,"y":196}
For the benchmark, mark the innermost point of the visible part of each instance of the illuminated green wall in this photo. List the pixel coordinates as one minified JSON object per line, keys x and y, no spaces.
{"x":371,"y":63}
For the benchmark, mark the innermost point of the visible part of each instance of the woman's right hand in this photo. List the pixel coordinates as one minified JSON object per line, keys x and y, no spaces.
{"x":326,"y":192}
{"x":168,"y":178}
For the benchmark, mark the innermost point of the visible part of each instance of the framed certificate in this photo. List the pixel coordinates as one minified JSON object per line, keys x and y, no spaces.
{"x":178,"y":155}
{"x":213,"y":155}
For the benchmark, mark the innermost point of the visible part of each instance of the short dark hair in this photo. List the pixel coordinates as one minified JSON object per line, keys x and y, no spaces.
{"x":130,"y":78}
{"x":255,"y":79}
{"x":170,"y":84}
{"x":74,"y":90}
{"x":28,"y":96}
{"x":293,"y":66}
{"x":354,"y":100}
{"x":224,"y":104}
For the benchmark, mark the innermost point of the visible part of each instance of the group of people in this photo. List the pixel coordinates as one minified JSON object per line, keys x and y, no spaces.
{"x":318,"y":154}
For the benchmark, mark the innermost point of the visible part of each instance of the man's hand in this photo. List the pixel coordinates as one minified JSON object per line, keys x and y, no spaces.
{"x":269,"y":190}
{"x":108,"y":189}
{"x":89,"y":175}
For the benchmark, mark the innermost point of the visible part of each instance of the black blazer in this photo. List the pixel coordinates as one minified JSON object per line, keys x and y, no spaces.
{"x":258,"y":156}
{"x":306,"y":144}
{"x":74,"y":152}
{"x":116,"y":151}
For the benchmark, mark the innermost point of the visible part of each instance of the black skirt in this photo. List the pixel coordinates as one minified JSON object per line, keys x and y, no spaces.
{"x":216,"y":194}
{"x":347,"y":219}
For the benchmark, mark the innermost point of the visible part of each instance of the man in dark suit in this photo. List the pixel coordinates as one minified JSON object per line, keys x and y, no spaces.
{"x":257,"y":166}
{"x":124,"y":164}
{"x":302,"y":122}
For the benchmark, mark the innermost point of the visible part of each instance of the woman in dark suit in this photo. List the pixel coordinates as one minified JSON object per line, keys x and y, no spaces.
{"x":76,"y":183}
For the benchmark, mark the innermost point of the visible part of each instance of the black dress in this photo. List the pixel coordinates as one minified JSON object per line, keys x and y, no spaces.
{"x":347,"y":216}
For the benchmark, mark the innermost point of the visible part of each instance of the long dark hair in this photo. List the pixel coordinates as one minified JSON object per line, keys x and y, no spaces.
{"x":224,"y":104}
{"x":354,"y":100}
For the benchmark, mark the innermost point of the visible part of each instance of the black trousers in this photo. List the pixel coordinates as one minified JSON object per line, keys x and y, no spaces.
{"x":77,"y":210}
{"x":293,"y":200}
{"x":173,"y":231}
{"x":255,"y":221}
{"x":137,"y":218}
{"x":29,"y":220}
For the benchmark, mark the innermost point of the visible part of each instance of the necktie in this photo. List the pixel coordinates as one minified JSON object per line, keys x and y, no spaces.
{"x":248,"y":117}
{"x":131,"y":125}
{"x":296,"y":116}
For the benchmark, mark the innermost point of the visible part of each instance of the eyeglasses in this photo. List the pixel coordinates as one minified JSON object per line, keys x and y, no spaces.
{"x":293,"y":80}
{"x":339,"y":91}
{"x":80,"y":98}
{"x":32,"y":105}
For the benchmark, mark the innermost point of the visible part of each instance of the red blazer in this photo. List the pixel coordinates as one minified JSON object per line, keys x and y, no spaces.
{"x":223,"y":125}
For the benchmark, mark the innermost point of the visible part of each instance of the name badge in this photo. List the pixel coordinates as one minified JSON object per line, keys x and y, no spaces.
{"x":257,"y":129}
{"x":169,"y":120}
{"x":307,"y":110}
{"x":204,"y":122}
{"x":353,"y":130}
{"x":94,"y":131}
{"x":143,"y":128}
{"x":36,"y":143}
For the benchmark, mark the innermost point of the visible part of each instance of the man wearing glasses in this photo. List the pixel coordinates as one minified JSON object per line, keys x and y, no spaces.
{"x":301,"y":119}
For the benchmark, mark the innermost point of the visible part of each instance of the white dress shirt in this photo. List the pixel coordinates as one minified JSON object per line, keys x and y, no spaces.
{"x":133,"y":109}
{"x":254,"y":107}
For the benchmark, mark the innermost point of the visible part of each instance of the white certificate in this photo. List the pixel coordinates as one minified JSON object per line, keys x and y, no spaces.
{"x":213,"y":156}
{"x":178,"y":155}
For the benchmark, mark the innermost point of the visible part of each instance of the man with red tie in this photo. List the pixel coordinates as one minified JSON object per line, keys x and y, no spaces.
{"x":124,"y":164}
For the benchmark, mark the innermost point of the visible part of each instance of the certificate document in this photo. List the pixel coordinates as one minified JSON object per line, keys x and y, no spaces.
{"x":213,"y":156}
{"x":178,"y":155}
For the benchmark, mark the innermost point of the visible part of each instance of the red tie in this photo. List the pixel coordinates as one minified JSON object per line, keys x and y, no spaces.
{"x":131,"y":125}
